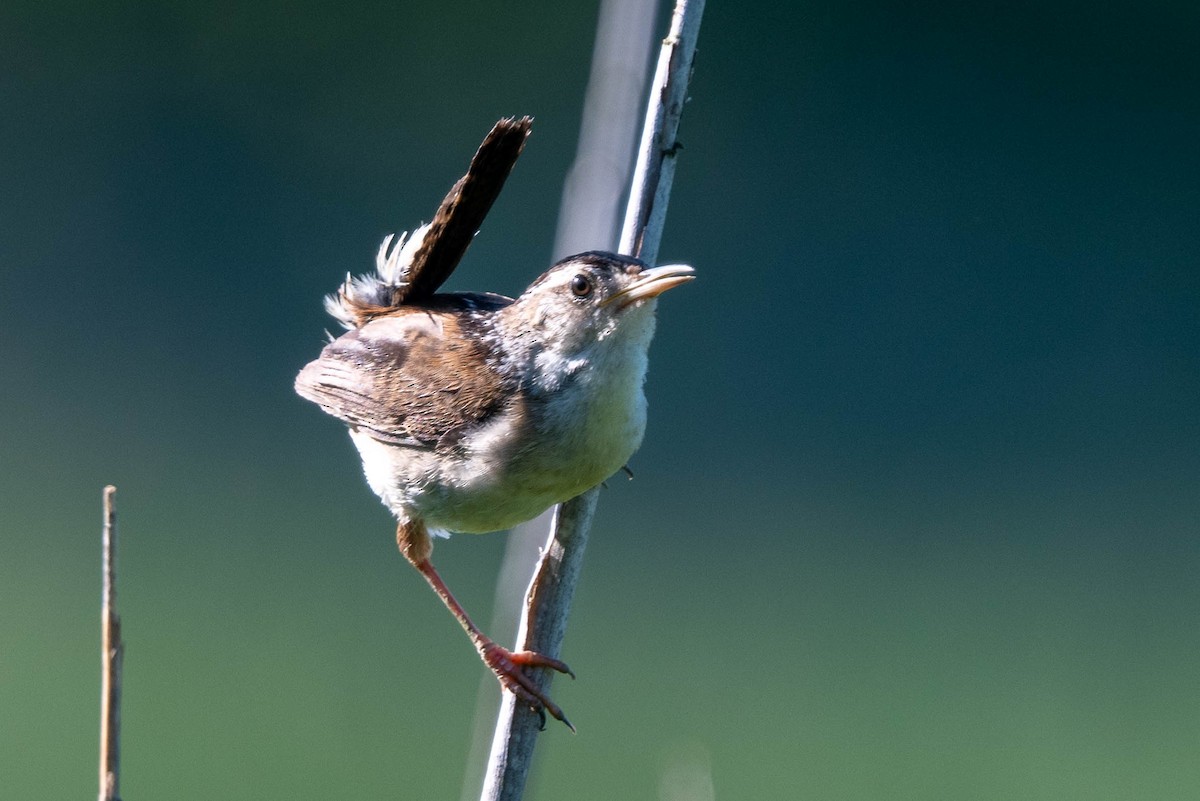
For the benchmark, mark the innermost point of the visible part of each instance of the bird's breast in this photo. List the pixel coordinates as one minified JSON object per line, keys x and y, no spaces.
{"x":535,"y":455}
{"x":553,"y":440}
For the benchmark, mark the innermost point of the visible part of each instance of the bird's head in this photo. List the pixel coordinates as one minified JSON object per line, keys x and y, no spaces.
{"x":592,"y":298}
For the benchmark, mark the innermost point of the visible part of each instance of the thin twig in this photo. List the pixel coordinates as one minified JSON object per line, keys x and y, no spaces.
{"x":589,"y":217}
{"x":542,"y":629}
{"x":595,"y":187}
{"x":111,"y":652}
{"x":646,"y":213}
{"x":548,"y":602}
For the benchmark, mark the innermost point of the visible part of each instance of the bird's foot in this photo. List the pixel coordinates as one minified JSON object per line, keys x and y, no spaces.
{"x":507,"y":665}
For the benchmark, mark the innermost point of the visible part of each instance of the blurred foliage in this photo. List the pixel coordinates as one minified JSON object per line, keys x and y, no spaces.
{"x":916,"y":515}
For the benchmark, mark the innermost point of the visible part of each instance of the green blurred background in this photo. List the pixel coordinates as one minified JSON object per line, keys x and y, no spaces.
{"x":916,"y":516}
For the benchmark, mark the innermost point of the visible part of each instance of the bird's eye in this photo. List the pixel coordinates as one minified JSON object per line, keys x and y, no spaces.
{"x":581,"y":287}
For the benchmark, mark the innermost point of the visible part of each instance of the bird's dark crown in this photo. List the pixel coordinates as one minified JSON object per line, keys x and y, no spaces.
{"x":599,"y":260}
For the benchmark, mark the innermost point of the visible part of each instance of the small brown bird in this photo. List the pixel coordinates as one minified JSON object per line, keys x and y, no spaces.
{"x":475,"y":412}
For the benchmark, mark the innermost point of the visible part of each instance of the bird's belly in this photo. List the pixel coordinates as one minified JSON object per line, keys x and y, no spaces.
{"x":486,"y":493}
{"x":491,"y":484}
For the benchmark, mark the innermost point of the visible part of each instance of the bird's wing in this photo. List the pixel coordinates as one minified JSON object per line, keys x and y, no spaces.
{"x":417,"y":378}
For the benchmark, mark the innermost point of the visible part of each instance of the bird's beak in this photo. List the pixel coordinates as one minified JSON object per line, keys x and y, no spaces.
{"x":652,"y":282}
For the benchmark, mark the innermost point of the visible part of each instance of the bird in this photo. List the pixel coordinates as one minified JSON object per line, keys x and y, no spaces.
{"x":474,"y":412}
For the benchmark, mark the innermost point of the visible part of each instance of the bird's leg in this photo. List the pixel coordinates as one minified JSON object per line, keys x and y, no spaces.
{"x":415,"y":544}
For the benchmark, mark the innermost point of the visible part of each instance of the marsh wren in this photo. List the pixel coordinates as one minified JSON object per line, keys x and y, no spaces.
{"x":475,"y":412}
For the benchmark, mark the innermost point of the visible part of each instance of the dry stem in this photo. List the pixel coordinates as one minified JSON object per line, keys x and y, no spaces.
{"x":111,"y":653}
{"x":548,"y":602}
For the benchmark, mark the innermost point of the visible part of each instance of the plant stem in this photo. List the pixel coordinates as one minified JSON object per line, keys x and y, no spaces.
{"x":111,"y":653}
{"x":548,"y":601}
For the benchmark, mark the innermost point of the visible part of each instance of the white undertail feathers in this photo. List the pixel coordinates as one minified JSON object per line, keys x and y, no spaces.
{"x":392,"y":265}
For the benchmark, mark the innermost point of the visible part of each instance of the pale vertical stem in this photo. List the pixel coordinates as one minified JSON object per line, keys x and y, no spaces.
{"x":547,"y":605}
{"x":587,"y":220}
{"x":646,"y":212}
{"x":111,"y":652}
{"x":548,"y":600}
{"x":608,"y":130}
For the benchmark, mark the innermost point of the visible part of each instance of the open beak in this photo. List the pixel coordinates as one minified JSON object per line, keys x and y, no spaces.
{"x":653,"y":282}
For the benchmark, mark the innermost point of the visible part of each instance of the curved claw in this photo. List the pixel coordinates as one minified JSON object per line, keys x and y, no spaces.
{"x":534,"y":659}
{"x":507,"y":666}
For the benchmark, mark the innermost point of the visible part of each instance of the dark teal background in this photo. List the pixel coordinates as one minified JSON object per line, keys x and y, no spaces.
{"x":916,"y":516}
